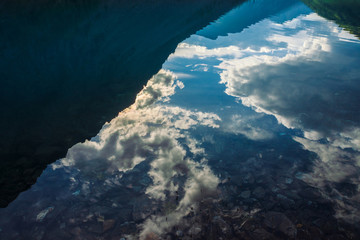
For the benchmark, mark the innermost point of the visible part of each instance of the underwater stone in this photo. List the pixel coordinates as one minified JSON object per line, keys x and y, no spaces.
{"x":108,"y":224}
{"x":245,"y":194}
{"x":40,"y":217}
{"x":179,"y":233}
{"x":288,"y":181}
{"x":279,"y":221}
{"x":259,"y":192}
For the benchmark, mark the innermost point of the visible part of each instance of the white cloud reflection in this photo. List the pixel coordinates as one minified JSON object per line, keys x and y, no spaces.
{"x":155,"y":132}
{"x":310,"y":88}
{"x":201,"y":183}
{"x":245,"y":126}
{"x":186,"y":50}
{"x":303,"y":73}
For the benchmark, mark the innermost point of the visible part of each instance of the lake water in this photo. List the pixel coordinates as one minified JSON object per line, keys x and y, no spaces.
{"x":251,"y":130}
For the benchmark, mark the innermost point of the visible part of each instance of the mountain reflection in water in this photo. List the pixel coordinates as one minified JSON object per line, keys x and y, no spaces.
{"x":67,"y":67}
{"x":244,"y":135}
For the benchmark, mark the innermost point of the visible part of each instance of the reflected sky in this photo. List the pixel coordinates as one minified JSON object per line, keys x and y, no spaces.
{"x":248,"y":131}
{"x":303,"y":71}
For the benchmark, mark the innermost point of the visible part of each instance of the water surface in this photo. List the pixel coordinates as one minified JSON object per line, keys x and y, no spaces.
{"x":67,"y":67}
{"x":247,"y":132}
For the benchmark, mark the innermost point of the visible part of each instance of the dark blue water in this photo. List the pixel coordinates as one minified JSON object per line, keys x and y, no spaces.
{"x":249,"y":131}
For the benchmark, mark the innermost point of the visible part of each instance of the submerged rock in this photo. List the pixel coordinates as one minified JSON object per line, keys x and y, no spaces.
{"x":40,"y":217}
{"x":245,"y":194}
{"x":152,"y":236}
{"x":108,"y":224}
{"x":279,"y":221}
{"x":259,"y":192}
{"x":261,"y":234}
{"x":289,"y":180}
{"x":76,"y":193}
{"x":179,"y":233}
{"x":194,"y":230}
{"x":224,"y":227}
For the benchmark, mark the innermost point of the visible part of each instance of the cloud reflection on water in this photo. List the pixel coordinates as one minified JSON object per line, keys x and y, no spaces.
{"x":312,"y":86}
{"x":305,"y":73}
{"x":247,"y":127}
{"x":151,"y":170}
{"x":157,"y":133}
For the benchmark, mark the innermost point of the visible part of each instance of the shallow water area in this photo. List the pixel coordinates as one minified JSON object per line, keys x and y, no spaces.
{"x":250,"y":130}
